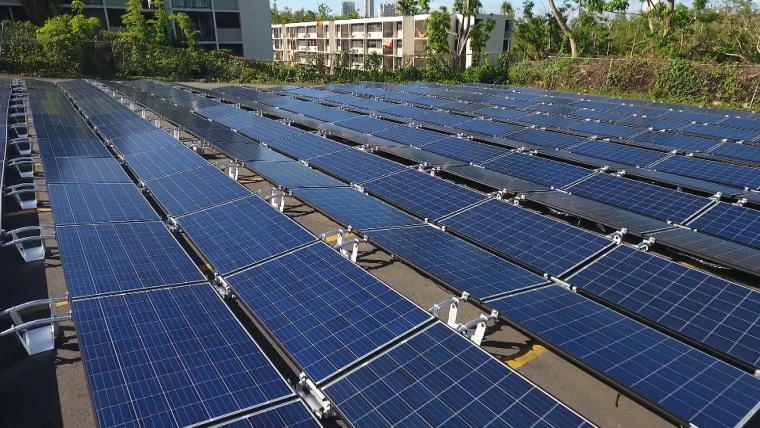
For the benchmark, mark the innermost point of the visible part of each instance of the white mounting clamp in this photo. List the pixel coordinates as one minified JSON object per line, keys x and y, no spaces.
{"x":172,"y":225}
{"x":479,"y":324}
{"x":276,"y":198}
{"x":453,"y":303}
{"x":222,"y":287}
{"x":16,"y":190}
{"x":741,"y":202}
{"x":716,"y":197}
{"x":37,"y":335}
{"x":29,"y":241}
{"x":341,"y":243}
{"x":617,"y":236}
{"x":646,"y":244}
{"x":314,"y":397}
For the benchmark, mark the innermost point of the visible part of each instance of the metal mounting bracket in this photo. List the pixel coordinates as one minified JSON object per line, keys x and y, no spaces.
{"x":37,"y":335}
{"x":314,"y":397}
{"x":23,"y":165}
{"x":172,"y":225}
{"x":453,"y":305}
{"x":17,"y":190}
{"x":342,"y":243}
{"x":222,"y":287}
{"x":16,"y":127}
{"x":646,"y":244}
{"x":23,"y":145}
{"x":29,"y":241}
{"x":741,"y":202}
{"x":617,"y":236}
{"x":276,"y":197}
{"x":479,"y":324}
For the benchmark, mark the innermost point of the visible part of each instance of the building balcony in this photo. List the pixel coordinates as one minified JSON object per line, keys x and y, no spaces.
{"x":191,"y":4}
{"x":229,"y":35}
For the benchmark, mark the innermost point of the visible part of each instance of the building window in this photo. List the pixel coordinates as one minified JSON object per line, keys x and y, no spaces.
{"x":227,"y":20}
{"x":505,"y":45}
{"x":234,"y":48}
{"x":192,"y":4}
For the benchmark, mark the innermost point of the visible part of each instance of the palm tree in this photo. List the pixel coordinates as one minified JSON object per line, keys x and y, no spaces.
{"x":507,"y":9}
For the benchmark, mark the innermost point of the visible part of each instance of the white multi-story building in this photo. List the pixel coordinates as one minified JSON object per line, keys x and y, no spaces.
{"x":238,"y":25}
{"x":399,"y":40}
{"x":369,"y":8}
{"x":347,"y":8}
{"x":386,"y":9}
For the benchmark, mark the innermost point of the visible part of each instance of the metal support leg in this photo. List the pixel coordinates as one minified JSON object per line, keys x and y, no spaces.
{"x":17,"y":190}
{"x":479,"y":324}
{"x":29,"y":241}
{"x":24,"y":166}
{"x":38,"y":335}
{"x":453,"y":304}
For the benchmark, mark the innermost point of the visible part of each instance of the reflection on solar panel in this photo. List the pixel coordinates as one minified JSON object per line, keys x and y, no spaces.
{"x":620,"y":153}
{"x":538,"y":241}
{"x":193,"y":190}
{"x":676,"y":141}
{"x":731,"y":222}
{"x":54,"y":132}
{"x":732,"y":175}
{"x":154,"y":139}
{"x":466,"y":150}
{"x":423,"y":194}
{"x":408,"y":135}
{"x":91,"y":147}
{"x":117,"y":257}
{"x":83,"y":170}
{"x":462,"y":265}
{"x":293,"y":414}
{"x":307,"y":146}
{"x":736,"y":122}
{"x":605,"y":129}
{"x":718,"y":313}
{"x":487,"y":127}
{"x":366,"y":124}
{"x":539,"y":170}
{"x":293,"y":174}
{"x":268,"y":132}
{"x":718,"y":132}
{"x":241,"y":233}
{"x":738,"y":151}
{"x":355,"y":166}
{"x":546,"y":138}
{"x":167,"y":161}
{"x":651,"y":122}
{"x":173,"y":357}
{"x":324,"y":310}
{"x":98,"y":203}
{"x":690,"y":116}
{"x":412,"y":385}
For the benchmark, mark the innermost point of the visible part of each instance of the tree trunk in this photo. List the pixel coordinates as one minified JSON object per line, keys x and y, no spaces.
{"x":565,"y":29}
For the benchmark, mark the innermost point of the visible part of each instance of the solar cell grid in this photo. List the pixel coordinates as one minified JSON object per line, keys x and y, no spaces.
{"x":597,"y":115}
{"x":442,"y":119}
{"x":218,"y":134}
{"x":250,"y":151}
{"x":676,"y":141}
{"x":738,"y":151}
{"x":366,"y":124}
{"x":653,"y":201}
{"x":293,"y":174}
{"x":510,"y":103}
{"x":549,"y":121}
{"x":408,"y":135}
{"x":692,"y":116}
{"x":715,"y":312}
{"x":466,"y":150}
{"x":307,"y":146}
{"x":500,"y":113}
{"x":122,"y":129}
{"x":293,"y":414}
{"x":72,"y":148}
{"x":242,"y":232}
{"x":401,"y":111}
{"x":270,"y":132}
{"x":219,"y":111}
{"x":118,"y":257}
{"x":324,"y":310}
{"x":652,"y":122}
{"x":605,"y":129}
{"x":455,"y":261}
{"x":83,"y":170}
{"x":546,"y":138}
{"x":173,"y":357}
{"x":539,"y":170}
{"x":355,"y":166}
{"x":741,"y":123}
{"x":98,"y":203}
{"x":63,"y":115}
{"x":488,"y":127}
{"x":620,"y":153}
{"x":413,"y":385}
{"x":738,"y":224}
{"x":423,"y":194}
{"x":538,"y":241}
{"x":55,"y":132}
{"x":167,"y":161}
{"x":687,"y":383}
{"x":552,"y":108}
{"x":243,"y":120}
{"x":719,"y":132}
{"x":330,"y":115}
{"x":732,"y":175}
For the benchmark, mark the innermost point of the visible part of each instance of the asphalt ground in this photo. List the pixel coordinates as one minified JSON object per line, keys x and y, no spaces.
{"x":49,"y":390}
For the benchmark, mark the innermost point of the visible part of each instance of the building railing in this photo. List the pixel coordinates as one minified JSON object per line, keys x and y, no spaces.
{"x":192,"y":4}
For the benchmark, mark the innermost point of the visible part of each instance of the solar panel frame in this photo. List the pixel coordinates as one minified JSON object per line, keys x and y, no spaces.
{"x":83,"y":170}
{"x":86,"y":203}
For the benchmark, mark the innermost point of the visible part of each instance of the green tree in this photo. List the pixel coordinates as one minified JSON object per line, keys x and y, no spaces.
{"x":507,"y":10}
{"x":63,"y":39}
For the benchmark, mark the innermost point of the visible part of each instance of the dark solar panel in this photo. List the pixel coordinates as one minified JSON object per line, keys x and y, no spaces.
{"x":355,"y":166}
{"x":54,"y":132}
{"x":292,"y":414}
{"x":652,"y":122}
{"x":118,"y":257}
{"x":691,"y":116}
{"x":539,"y":170}
{"x":731,"y":222}
{"x":676,"y":141}
{"x":83,"y":170}
{"x":732,"y":175}
{"x":250,"y":151}
{"x":466,"y":150}
{"x":401,"y":110}
{"x":98,"y":203}
{"x":605,"y":129}
{"x":546,"y":138}
{"x":500,"y":113}
{"x":741,"y":123}
{"x":307,"y":146}
{"x":487,"y":127}
{"x":738,"y":151}
{"x":330,"y":115}
{"x":366,"y":124}
{"x":166,"y":161}
{"x":324,"y":310}
{"x":597,"y":115}
{"x":549,"y":121}
{"x":408,"y":135}
{"x":718,"y":132}
{"x":541,"y":242}
{"x":442,"y":119}
{"x":293,"y":174}
{"x":619,"y":153}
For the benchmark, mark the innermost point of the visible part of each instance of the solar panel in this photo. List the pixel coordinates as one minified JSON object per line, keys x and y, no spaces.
{"x":605,"y":129}
{"x":355,"y":166}
{"x":676,"y":141}
{"x":541,"y":242}
{"x":83,"y":170}
{"x":293,"y":174}
{"x":196,"y":189}
{"x":493,"y":179}
{"x":690,"y":116}
{"x":419,"y":156}
{"x":167,"y":161}
{"x":330,"y":114}
{"x":718,"y":132}
{"x":732,"y":175}
{"x":741,"y":123}
{"x":122,"y":129}
{"x":619,"y":153}
{"x":268,"y":132}
{"x":510,"y":103}
{"x":412,"y":385}
{"x":242,"y":232}
{"x":215,"y":133}
{"x":651,"y":122}
{"x":172,"y":357}
{"x":118,"y":257}
{"x":704,"y":308}
{"x":366,"y":124}
{"x":325,"y":311}
{"x":442,"y":119}
{"x":539,"y":170}
{"x":218,"y":111}
{"x":549,"y":121}
{"x":307,"y":146}
{"x":154,"y":139}
{"x":731,"y":222}
{"x":462,"y":265}
{"x":687,"y":383}
{"x":402,"y":111}
{"x":292,"y":414}
{"x":408,"y":135}
{"x":546,"y":138}
{"x":500,"y":113}
{"x":423,"y":194}
{"x":653,"y":201}
{"x":488,"y":127}
{"x":98,"y":203}
{"x":250,"y":151}
{"x":466,"y":150}
{"x":54,"y":132}
{"x":552,"y":108}
{"x":597,"y":115}
{"x":640,"y":109}
{"x":596,"y":105}
{"x":91,"y":147}
{"x":738,"y":151}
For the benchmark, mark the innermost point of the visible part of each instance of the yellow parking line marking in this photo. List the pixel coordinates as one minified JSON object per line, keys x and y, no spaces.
{"x":250,"y":180}
{"x":520,"y":359}
{"x":59,"y":304}
{"x":333,"y":238}
{"x":31,"y":211}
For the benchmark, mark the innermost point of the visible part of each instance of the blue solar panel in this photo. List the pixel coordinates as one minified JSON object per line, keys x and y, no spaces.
{"x":718,"y":313}
{"x":685,"y":382}
{"x":73,"y":148}
{"x":402,"y":111}
{"x":462,"y":265}
{"x":196,"y":189}
{"x":738,"y":151}
{"x":676,"y":141}
{"x":355,"y":209}
{"x":596,"y":105}
{"x":173,"y":357}
{"x":241,"y":233}
{"x":500,"y":113}
{"x":690,"y":116}
{"x":167,"y":161}
{"x":292,"y":414}
{"x":214,"y":133}
{"x":269,"y":132}
{"x":366,"y":124}
{"x":641,"y":110}
{"x":538,"y":241}
{"x":731,"y":222}
{"x":732,"y":175}
{"x":552,"y":108}
{"x":718,"y":132}
{"x":597,"y":115}
{"x":324,"y":310}
{"x":408,"y":135}
{"x":651,"y":122}
{"x":307,"y":146}
{"x":154,"y":139}
{"x":741,"y":123}
{"x":546,"y":138}
{"x":510,"y":103}
{"x":539,"y":170}
{"x":83,"y":170}
{"x":355,"y":166}
{"x":218,"y":111}
{"x":605,"y":129}
{"x":330,"y":115}
{"x":549,"y":121}
{"x":423,"y":194}
{"x":117,"y":257}
{"x":98,"y":203}
{"x":54,"y":132}
{"x":487,"y":127}
{"x":466,"y":150}
{"x":250,"y":151}
{"x":121,"y":129}
{"x":619,"y":153}
{"x":650,"y":200}
{"x":412,"y":386}
{"x":442,"y":119}
{"x":293,"y":174}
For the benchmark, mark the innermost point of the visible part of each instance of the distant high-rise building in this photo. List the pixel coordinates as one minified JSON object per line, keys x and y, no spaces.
{"x":369,"y":8}
{"x":347,"y":8}
{"x":386,"y":9}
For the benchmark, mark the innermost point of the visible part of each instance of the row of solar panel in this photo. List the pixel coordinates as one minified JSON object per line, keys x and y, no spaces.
{"x":360,"y":335}
{"x":331,"y":206}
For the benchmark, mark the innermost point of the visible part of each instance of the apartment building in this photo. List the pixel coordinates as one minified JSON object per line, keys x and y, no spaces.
{"x":369,"y":8}
{"x":386,"y":9}
{"x":399,"y":40}
{"x":347,"y":7}
{"x":238,"y":25}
